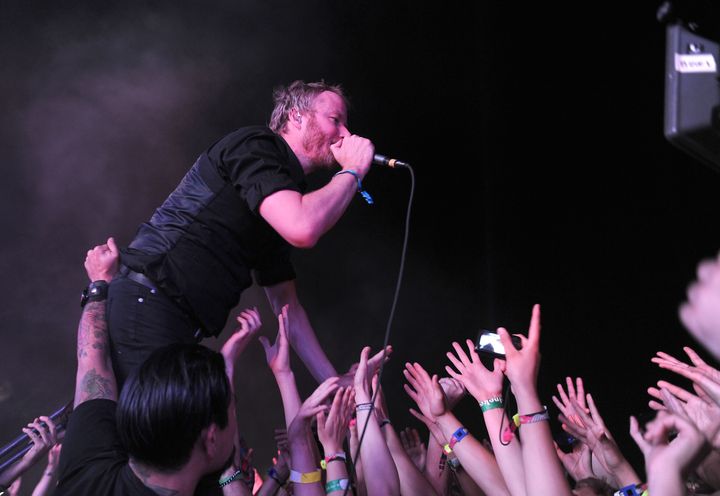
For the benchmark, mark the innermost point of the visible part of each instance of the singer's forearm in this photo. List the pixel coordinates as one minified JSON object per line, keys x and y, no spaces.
{"x":303,"y":219}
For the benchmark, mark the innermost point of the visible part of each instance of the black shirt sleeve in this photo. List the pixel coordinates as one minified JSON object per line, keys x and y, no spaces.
{"x":258,"y":167}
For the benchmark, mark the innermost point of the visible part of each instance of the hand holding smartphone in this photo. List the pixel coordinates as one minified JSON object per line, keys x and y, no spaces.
{"x":489,"y":343}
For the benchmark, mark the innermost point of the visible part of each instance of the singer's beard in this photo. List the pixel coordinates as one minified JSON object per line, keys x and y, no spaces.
{"x":317,"y":146}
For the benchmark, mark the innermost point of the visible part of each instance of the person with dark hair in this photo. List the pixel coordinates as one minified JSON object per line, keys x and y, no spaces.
{"x":173,"y":424}
{"x":153,"y":420}
{"x":239,"y":210}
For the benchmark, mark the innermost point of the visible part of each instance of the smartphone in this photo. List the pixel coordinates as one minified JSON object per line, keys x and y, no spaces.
{"x":489,"y":342}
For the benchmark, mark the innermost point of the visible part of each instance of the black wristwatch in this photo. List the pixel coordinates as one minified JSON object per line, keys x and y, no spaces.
{"x":96,"y":291}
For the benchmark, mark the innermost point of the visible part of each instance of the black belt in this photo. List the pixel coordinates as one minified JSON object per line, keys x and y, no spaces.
{"x":139,"y":278}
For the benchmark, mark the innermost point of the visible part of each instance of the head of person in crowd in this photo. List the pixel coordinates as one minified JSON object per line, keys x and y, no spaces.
{"x":178,"y":409}
{"x":311,"y":117}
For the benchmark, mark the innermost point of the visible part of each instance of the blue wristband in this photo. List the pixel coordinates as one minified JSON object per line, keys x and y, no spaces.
{"x":360,"y":190}
{"x":458,"y":436}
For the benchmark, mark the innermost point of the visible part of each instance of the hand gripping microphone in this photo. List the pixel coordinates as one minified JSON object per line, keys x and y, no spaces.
{"x":390,"y":162}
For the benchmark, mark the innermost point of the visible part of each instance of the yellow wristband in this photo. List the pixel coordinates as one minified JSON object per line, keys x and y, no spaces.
{"x":305,"y":478}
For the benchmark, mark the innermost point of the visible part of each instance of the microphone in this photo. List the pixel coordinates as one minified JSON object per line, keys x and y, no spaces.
{"x":390,"y":162}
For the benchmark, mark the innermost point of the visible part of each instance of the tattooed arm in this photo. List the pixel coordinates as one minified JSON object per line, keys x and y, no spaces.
{"x":95,"y":378}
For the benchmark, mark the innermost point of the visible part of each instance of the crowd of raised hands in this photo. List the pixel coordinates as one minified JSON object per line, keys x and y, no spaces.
{"x":340,"y":439}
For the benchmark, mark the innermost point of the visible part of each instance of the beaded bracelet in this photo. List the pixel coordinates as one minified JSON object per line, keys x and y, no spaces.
{"x":227,"y":480}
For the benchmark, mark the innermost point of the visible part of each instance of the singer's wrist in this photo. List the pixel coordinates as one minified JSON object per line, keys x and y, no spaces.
{"x":351,"y":171}
{"x":352,"y":175}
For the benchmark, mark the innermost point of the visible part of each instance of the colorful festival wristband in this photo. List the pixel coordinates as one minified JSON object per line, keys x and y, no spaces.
{"x":491,"y":404}
{"x":337,"y":485}
{"x":305,"y":478}
{"x":518,"y":420}
{"x":334,"y":457}
{"x":543,"y":414}
{"x":458,"y":436}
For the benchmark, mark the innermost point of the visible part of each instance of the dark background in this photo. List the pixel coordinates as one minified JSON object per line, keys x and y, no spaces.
{"x":536,"y":138}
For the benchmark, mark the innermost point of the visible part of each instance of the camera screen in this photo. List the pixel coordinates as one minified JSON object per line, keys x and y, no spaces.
{"x":490,"y":341}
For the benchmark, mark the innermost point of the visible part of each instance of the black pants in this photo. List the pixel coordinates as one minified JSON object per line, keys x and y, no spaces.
{"x":140,"y":320}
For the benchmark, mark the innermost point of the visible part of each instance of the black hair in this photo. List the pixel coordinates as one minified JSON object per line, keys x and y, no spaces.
{"x":180,"y":390}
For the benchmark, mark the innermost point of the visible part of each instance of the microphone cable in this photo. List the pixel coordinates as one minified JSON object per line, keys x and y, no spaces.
{"x":361,"y":437}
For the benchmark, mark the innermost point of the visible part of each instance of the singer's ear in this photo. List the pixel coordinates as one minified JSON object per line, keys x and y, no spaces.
{"x":295,"y":116}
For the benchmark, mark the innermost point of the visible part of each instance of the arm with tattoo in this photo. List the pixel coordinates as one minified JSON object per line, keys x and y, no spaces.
{"x":95,"y":378}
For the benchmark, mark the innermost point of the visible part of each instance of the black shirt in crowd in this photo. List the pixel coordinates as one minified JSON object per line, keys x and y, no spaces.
{"x":92,"y":461}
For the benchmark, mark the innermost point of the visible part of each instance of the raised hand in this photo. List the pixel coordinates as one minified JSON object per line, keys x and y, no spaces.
{"x":666,"y":459}
{"x":277,"y":355}
{"x":698,"y":364}
{"x":425,"y":391}
{"x":595,"y":435}
{"x":249,"y":324}
{"x":577,"y":463}
{"x":480,"y":382}
{"x":373,"y":365}
{"x":103,"y":261}
{"x":566,"y":401}
{"x":521,"y":366}
{"x":333,"y":428}
{"x":414,"y":447}
{"x":703,"y":414}
{"x":703,"y":377}
{"x":311,"y":407}
{"x":454,"y":390}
